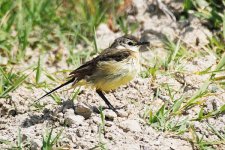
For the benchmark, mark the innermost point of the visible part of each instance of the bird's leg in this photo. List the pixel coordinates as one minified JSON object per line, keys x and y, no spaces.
{"x":106,"y":100}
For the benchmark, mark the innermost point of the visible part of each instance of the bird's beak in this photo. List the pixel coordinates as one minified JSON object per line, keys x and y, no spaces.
{"x":143,"y":43}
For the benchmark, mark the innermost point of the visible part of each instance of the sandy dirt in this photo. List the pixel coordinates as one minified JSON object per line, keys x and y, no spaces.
{"x":80,"y":122}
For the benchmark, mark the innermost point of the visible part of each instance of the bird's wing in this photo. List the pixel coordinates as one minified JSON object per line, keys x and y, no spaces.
{"x":107,"y":55}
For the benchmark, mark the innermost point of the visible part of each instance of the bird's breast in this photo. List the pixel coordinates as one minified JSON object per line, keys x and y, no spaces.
{"x":111,"y":75}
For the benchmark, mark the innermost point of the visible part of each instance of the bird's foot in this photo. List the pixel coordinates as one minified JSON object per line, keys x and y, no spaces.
{"x":98,"y":110}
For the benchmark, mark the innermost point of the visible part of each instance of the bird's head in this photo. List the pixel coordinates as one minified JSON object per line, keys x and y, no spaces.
{"x":128,"y":42}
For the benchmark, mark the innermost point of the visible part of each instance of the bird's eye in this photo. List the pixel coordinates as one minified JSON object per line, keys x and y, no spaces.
{"x":130,"y":43}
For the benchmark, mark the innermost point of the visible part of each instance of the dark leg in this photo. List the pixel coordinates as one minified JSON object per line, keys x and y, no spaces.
{"x":106,"y":101}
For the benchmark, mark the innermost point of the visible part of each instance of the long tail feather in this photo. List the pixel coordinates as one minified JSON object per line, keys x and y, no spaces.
{"x":62,"y":85}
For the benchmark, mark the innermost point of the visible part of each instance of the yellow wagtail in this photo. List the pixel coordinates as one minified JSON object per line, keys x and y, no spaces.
{"x":113,"y":67}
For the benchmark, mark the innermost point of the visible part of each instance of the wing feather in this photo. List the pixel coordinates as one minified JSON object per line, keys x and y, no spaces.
{"x":109,"y":54}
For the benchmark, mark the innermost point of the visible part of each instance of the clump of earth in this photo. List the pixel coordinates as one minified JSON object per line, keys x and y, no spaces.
{"x":81,"y":123}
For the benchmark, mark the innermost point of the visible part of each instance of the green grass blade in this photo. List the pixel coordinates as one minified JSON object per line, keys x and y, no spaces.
{"x":177,"y":48}
{"x":38,"y":71}
{"x":222,"y":137}
{"x":177,"y":104}
{"x":19,"y":140}
{"x":15,"y":85}
{"x":4,"y":74}
{"x":224,"y":26}
{"x":95,"y":42}
{"x":200,"y":114}
{"x":54,"y":141}
{"x":77,"y":91}
{"x":199,"y":93}
{"x":222,"y":108}
{"x":221,"y":63}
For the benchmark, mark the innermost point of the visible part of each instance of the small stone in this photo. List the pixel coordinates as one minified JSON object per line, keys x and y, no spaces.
{"x":70,"y":118}
{"x":72,"y":138}
{"x":57,"y":123}
{"x":69,"y":112}
{"x":35,"y":145}
{"x":109,"y":136}
{"x":122,"y":113}
{"x":213,"y":88}
{"x":12,"y":112}
{"x":60,"y":115}
{"x":3,"y":123}
{"x":83,"y":110}
{"x":79,"y":133}
{"x":61,"y":121}
{"x":24,"y":137}
{"x":108,"y":123}
{"x":130,"y":125}
{"x":96,"y":120}
{"x":109,"y":114}
{"x":66,"y":143}
{"x":94,"y":129}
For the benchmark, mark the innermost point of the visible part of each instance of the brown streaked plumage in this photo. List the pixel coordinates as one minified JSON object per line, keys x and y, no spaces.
{"x":113,"y":67}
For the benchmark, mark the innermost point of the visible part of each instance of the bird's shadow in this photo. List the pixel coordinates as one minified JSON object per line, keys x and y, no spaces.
{"x":51,"y":115}
{"x":47,"y":114}
{"x":36,"y":118}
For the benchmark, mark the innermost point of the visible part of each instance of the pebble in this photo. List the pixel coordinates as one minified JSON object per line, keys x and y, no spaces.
{"x":109,"y":136}
{"x":35,"y":144}
{"x":83,"y":110}
{"x":122,"y":113}
{"x":24,"y":137}
{"x":130,"y":125}
{"x":96,"y":120}
{"x":70,"y":118}
{"x":79,"y":133}
{"x":109,"y":114}
{"x":109,"y":123}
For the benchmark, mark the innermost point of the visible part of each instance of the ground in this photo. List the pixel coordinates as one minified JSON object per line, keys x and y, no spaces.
{"x":172,"y":104}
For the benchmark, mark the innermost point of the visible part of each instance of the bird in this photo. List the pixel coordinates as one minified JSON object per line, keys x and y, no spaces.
{"x":114,"y":66}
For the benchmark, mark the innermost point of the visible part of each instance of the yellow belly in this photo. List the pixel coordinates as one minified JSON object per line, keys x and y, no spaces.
{"x":110,"y":76}
{"x":107,"y":85}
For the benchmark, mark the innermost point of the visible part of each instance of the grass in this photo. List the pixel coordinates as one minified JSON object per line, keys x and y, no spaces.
{"x":101,"y":144}
{"x":40,"y":24}
{"x":44,"y":25}
{"x":59,"y":27}
{"x":9,"y":81}
{"x":125,"y":26}
{"x":164,"y":120}
{"x":172,"y":115}
{"x":101,"y":131}
{"x":38,"y":71}
{"x":199,"y":142}
{"x":14,"y":146}
{"x":19,"y":140}
{"x":49,"y":142}
{"x":207,"y":10}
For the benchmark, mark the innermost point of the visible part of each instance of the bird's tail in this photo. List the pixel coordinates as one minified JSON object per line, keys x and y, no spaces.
{"x":62,"y":85}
